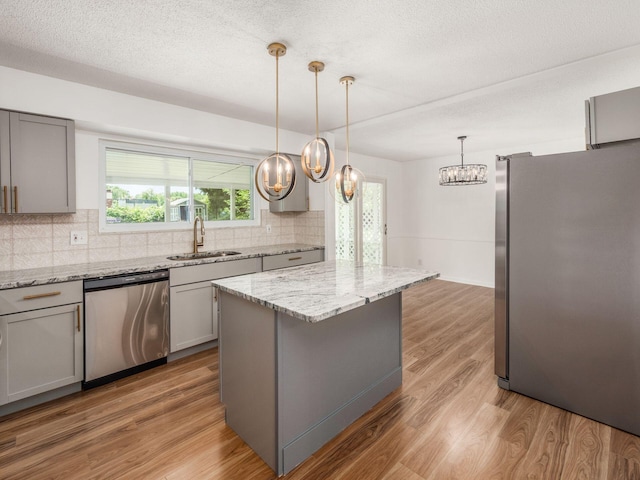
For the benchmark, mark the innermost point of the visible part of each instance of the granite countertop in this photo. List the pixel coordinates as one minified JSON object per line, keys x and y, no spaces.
{"x":66,"y":273}
{"x":319,"y":291}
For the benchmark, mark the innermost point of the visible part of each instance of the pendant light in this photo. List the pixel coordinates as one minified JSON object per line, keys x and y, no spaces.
{"x":317,"y":158}
{"x":275,"y":176}
{"x":349,"y":180}
{"x":470,"y":174}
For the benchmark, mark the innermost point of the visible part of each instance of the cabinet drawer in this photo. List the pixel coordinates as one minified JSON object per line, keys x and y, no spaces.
{"x":41,"y":296}
{"x":211,"y":271}
{"x":273,"y":262}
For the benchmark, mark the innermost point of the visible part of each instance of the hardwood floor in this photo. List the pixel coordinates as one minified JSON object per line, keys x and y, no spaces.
{"x":448,"y":420}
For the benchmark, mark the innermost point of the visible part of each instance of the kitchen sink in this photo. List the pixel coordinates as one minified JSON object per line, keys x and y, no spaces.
{"x":195,"y":256}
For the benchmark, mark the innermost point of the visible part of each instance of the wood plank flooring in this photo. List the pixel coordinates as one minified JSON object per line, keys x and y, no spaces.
{"x":449,"y":420}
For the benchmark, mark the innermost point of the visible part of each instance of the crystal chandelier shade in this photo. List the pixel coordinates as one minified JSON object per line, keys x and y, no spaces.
{"x":275,"y":176}
{"x":470,"y":174}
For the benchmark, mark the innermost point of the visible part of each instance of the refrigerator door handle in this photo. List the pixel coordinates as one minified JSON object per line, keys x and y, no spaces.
{"x":501,"y":312}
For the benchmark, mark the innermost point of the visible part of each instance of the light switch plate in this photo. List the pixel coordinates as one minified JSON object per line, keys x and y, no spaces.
{"x":79,"y":237}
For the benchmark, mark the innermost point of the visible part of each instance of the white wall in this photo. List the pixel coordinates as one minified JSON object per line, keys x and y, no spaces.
{"x":451,"y":229}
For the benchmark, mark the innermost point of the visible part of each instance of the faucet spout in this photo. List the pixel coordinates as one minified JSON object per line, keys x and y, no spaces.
{"x":198,"y":243}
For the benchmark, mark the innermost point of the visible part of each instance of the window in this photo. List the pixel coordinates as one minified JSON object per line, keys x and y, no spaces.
{"x":156,"y":188}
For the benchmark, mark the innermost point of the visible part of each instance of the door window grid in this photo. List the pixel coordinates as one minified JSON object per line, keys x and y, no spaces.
{"x":370,"y":209}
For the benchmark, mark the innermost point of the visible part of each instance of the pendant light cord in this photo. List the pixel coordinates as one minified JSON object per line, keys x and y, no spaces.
{"x":462,"y":151}
{"x":277,"y":107}
{"x":347,"y":101}
{"x":317,"y":130}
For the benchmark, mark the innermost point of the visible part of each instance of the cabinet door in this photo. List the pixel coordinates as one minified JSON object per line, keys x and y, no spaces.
{"x":42,"y":164}
{"x":40,"y":350}
{"x":194,"y":315}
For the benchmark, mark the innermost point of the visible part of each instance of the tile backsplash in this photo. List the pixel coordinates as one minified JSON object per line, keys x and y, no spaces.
{"x":32,"y":241}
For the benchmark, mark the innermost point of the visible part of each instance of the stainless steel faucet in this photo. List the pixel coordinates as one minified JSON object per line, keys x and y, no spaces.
{"x":197,"y":243}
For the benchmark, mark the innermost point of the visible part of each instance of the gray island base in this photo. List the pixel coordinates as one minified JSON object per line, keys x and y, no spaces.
{"x":307,"y":350}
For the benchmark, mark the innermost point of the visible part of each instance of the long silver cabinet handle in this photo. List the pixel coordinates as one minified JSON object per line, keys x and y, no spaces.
{"x":78,"y":315}
{"x":295,"y":258}
{"x":41,"y":295}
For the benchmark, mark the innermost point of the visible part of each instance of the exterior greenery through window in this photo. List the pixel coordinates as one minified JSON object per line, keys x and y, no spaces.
{"x":153,"y":187}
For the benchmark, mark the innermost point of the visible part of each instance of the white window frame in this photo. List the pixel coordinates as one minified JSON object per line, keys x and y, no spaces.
{"x":243,"y":159}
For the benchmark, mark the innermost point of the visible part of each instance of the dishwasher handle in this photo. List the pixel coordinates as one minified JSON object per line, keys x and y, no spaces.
{"x":124,"y":280}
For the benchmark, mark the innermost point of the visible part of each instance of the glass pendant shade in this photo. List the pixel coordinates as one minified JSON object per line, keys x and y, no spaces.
{"x":317,"y":158}
{"x":347,"y":184}
{"x":349,"y":181}
{"x":470,"y":174}
{"x":275,"y":176}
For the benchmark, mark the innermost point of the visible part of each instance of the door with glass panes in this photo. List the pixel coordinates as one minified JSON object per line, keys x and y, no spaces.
{"x":361,"y":226}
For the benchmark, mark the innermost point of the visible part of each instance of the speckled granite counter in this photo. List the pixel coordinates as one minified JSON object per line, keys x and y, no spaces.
{"x":322,"y":290}
{"x":43,"y":276}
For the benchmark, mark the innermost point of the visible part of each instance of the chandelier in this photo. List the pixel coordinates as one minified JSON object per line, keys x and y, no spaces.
{"x":470,"y":174}
{"x":275,"y":176}
{"x":349,"y":180}
{"x":317,"y":158}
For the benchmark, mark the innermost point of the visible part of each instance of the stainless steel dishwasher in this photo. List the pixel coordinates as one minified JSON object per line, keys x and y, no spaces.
{"x":126,"y":325}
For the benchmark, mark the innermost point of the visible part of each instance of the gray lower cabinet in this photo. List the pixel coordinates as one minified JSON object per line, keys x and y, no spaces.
{"x":194,"y":320}
{"x":37,"y":164}
{"x":41,"y":339}
{"x":193,"y":302}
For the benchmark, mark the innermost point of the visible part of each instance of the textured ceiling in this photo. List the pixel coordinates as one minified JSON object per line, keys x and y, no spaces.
{"x":503,"y":72}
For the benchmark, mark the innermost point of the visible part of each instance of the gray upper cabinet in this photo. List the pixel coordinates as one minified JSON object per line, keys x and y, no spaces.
{"x":298,"y":200}
{"x":37,"y":164}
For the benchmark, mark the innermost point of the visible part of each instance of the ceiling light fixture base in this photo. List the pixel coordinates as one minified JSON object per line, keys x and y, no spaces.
{"x":348,"y":79}
{"x":316,"y":66}
{"x":276,"y":49}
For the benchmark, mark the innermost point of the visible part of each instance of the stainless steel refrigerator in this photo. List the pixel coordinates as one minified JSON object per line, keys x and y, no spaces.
{"x":568,"y":281}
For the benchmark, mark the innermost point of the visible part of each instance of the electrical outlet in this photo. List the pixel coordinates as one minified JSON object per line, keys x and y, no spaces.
{"x":419,"y":261}
{"x":79,"y":237}
{"x":268,"y":228}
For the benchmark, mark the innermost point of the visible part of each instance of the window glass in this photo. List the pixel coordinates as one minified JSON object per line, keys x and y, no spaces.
{"x":143,"y":187}
{"x":150,"y":188}
{"x":222,"y":191}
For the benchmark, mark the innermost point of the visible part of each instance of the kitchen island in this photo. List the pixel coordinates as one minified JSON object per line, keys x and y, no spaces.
{"x":305,"y":351}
